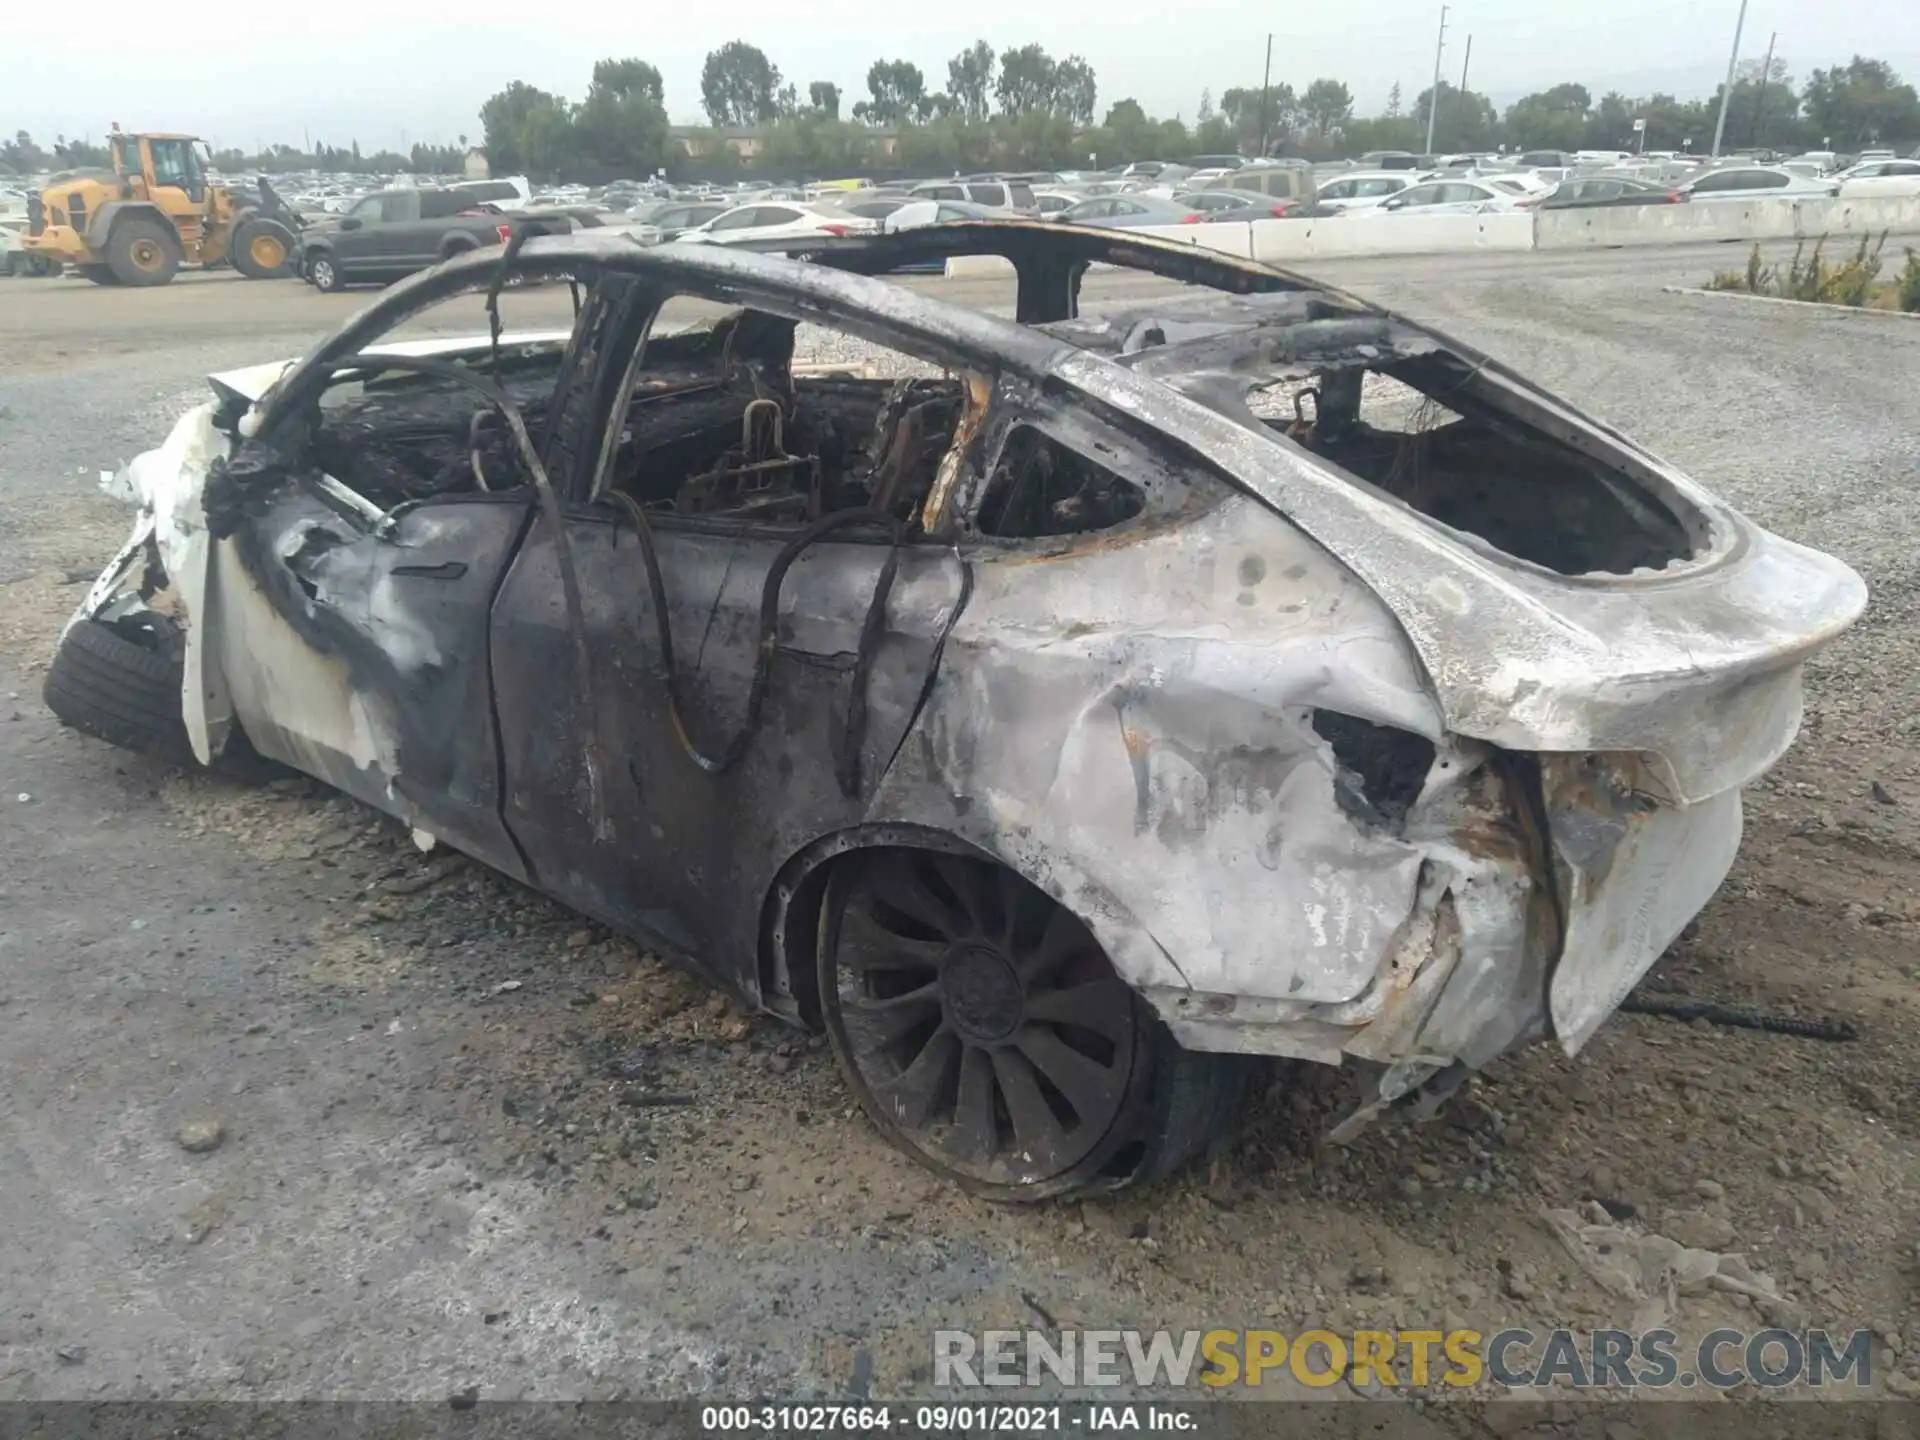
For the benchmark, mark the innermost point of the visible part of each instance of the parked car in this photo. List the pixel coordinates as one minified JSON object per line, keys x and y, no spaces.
{"x":1281,"y":179}
{"x":660,"y":221}
{"x":1391,"y":160}
{"x":1755,"y":182}
{"x":1124,"y":212}
{"x":1449,"y":197}
{"x":1364,"y":189}
{"x":1052,"y":202}
{"x":1352,"y":744}
{"x":1877,"y":179}
{"x":510,"y":193}
{"x":790,"y":220}
{"x":942,"y":212}
{"x":1237,"y":204}
{"x":392,"y":233}
{"x":1000,"y":194}
{"x":1597,"y":190}
{"x":878,"y":208}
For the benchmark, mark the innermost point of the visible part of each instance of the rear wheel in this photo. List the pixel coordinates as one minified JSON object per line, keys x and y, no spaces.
{"x":262,"y":249}
{"x":98,"y":274}
{"x":143,"y":251}
{"x":986,"y":1033}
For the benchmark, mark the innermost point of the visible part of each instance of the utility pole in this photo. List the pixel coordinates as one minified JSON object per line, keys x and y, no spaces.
{"x":1726,"y":91}
{"x":1265,"y":76}
{"x":1439,"y":45}
{"x":1760,"y":100}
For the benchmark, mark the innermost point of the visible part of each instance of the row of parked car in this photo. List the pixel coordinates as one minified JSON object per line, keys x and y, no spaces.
{"x":396,"y":231}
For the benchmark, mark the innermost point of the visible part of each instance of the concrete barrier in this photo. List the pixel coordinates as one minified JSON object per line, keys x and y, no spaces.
{"x":1281,"y":242}
{"x":1735,"y":220}
{"x":1348,"y":236}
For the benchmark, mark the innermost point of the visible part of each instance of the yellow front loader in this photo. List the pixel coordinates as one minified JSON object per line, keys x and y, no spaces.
{"x":155,"y":211}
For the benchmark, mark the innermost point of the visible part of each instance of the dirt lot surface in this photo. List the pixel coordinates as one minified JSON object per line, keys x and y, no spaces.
{"x":466,"y":1139}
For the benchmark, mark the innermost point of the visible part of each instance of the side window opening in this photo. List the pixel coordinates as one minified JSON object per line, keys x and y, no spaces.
{"x":1041,"y":487}
{"x":395,"y":437}
{"x":754,"y":417}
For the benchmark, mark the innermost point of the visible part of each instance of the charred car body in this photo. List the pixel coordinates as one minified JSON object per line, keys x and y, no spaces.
{"x":1251,"y":672}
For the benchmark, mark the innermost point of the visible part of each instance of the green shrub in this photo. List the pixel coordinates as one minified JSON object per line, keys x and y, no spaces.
{"x":1906,"y":288}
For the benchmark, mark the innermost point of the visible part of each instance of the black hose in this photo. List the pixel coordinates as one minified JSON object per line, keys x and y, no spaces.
{"x":853,"y":733}
{"x":1717,"y":1014}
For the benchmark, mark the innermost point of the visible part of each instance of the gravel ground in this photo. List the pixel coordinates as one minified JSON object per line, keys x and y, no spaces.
{"x":432,"y":1172}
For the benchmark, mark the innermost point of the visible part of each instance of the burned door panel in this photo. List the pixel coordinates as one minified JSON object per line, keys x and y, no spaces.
{"x":406,"y":720}
{"x":694,"y":846}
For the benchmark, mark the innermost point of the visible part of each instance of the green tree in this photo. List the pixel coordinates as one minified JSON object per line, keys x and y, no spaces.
{"x":970,"y":81}
{"x":1326,"y":105}
{"x":899,"y":93}
{"x":80,"y":154}
{"x":1028,"y":77}
{"x":1130,"y":134}
{"x":739,"y":86}
{"x":1074,"y":90}
{"x":1861,"y":102}
{"x":630,"y":79}
{"x":1243,"y":109}
{"x":1467,"y":119}
{"x":1552,"y":119}
{"x":503,"y":121}
{"x":622,"y":124}
{"x":824,"y":96}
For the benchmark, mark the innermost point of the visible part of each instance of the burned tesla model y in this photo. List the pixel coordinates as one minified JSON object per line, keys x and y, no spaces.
{"x":1094,"y":702}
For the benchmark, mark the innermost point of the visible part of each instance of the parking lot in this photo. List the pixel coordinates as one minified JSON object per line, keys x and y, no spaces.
{"x":428,"y":1179}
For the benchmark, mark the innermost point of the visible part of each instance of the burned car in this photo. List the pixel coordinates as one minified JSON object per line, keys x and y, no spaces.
{"x":1103,"y":700}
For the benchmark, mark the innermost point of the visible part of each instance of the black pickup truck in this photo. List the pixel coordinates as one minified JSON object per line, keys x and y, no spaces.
{"x":392,"y":233}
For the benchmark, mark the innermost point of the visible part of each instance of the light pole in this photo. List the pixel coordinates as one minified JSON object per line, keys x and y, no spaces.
{"x":1433,"y":101}
{"x":1726,"y":91}
{"x":1266,"y":75}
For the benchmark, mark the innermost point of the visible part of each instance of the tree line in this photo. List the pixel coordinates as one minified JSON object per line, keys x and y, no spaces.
{"x":24,"y":156}
{"x":1021,"y":108}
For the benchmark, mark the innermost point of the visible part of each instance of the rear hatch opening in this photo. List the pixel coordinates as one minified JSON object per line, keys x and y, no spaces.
{"x":1485,"y":471}
{"x":1393,"y":406}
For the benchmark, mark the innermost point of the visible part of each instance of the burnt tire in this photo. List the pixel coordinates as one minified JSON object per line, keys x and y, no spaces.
{"x":262,"y":249}
{"x":129,"y":694}
{"x":987,"y":1035}
{"x":143,"y":251}
{"x":114,"y":689}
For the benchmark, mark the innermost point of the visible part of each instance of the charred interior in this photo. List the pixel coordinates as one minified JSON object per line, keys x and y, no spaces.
{"x":1478,"y":470}
{"x":1387,"y":403}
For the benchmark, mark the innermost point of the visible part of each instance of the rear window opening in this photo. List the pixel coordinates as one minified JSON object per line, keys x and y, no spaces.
{"x":1477,"y":469}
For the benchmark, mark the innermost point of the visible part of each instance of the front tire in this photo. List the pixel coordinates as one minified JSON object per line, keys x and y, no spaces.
{"x":98,"y":274}
{"x":117,"y":690}
{"x":143,"y":251}
{"x":262,"y":249}
{"x":987,"y":1035}
{"x":324,"y":271}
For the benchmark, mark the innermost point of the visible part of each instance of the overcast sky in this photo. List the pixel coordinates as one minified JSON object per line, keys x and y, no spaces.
{"x":406,"y":70}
